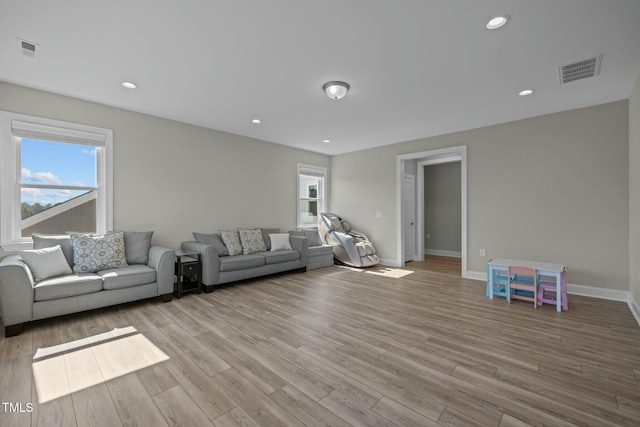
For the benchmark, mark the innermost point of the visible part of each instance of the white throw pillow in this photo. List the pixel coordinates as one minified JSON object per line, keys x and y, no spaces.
{"x":46,"y":263}
{"x":280,"y":242}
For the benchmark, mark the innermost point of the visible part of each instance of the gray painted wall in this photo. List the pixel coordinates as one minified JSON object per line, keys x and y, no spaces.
{"x":442,"y":206}
{"x":176,"y":178}
{"x":634,"y":192}
{"x":552,"y":188}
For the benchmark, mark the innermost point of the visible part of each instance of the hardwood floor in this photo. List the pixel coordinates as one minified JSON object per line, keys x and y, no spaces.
{"x":330,"y":347}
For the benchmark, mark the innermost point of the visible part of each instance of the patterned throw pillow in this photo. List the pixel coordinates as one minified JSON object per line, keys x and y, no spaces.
{"x":93,"y":253}
{"x":251,"y":240}
{"x":231,"y":240}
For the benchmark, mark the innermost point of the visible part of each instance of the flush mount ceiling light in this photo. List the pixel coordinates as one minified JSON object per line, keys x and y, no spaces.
{"x":336,"y":90}
{"x":256,"y":121}
{"x":497,"y":22}
{"x":326,"y":141}
{"x":526,"y":92}
{"x":129,"y":85}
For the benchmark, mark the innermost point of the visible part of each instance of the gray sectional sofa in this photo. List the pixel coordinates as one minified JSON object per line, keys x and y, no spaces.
{"x":219,"y":267}
{"x":31,"y":289}
{"x":320,"y":254}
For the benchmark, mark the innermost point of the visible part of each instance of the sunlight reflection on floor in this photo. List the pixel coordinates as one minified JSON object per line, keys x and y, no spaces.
{"x":394,"y":273}
{"x":67,"y":368}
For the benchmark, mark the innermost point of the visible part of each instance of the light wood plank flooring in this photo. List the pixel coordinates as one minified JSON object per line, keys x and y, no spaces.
{"x":330,"y":347}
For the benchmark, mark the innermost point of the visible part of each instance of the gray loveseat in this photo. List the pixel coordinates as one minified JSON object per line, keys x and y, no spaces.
{"x":148,"y":272}
{"x":219,"y":267}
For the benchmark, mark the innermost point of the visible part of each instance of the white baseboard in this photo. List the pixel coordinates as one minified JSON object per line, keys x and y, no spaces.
{"x":587,"y":291}
{"x":438,"y":252}
{"x":594,"y":292}
{"x":390,"y":262}
{"x":634,"y":307}
{"x":475,"y":275}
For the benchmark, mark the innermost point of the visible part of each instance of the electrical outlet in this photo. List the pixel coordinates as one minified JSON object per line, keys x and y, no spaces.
{"x":378,"y":214}
{"x":428,"y":236}
{"x":483,"y":252}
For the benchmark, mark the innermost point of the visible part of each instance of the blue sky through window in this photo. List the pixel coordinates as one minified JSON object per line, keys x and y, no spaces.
{"x":56,"y":163}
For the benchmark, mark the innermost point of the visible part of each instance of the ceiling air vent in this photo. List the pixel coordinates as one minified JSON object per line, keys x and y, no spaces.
{"x":27,"y":48}
{"x":580,"y":70}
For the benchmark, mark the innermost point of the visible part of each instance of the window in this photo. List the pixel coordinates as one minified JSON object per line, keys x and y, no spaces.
{"x":311,"y":194}
{"x":55,"y":178}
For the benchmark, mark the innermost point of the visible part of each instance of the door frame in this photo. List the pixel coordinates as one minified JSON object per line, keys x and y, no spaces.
{"x":425,"y":158}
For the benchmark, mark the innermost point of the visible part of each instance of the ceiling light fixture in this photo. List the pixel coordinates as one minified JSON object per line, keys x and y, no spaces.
{"x":526,"y":92}
{"x":129,"y":85}
{"x":326,"y":141}
{"x":336,"y":90}
{"x":497,"y":22}
{"x":256,"y":121}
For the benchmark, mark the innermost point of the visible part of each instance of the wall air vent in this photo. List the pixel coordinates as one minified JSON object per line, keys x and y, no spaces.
{"x":580,"y":70}
{"x":27,"y":48}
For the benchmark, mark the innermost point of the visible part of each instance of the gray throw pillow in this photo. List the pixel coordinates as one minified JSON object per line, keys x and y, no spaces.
{"x":212,"y":240}
{"x":41,"y":241}
{"x":93,"y":253}
{"x":136,"y":246}
{"x":46,"y":263}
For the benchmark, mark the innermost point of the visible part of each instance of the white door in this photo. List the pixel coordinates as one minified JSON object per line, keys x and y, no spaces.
{"x":409,"y":216}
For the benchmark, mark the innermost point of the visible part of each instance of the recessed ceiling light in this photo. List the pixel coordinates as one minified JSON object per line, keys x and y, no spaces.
{"x":129,"y":85}
{"x":256,"y":121}
{"x":526,"y":92}
{"x":326,"y":141}
{"x":497,"y":22}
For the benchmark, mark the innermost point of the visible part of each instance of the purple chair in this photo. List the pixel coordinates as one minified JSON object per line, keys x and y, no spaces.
{"x":547,"y":292}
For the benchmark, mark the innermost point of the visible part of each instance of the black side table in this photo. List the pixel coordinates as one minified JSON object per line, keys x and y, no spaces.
{"x":188,"y":273}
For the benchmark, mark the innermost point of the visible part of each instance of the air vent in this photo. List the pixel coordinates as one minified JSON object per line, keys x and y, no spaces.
{"x":580,"y":70}
{"x":27,"y":48}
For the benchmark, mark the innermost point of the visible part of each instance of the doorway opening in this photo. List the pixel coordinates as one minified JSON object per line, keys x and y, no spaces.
{"x":413,"y":240}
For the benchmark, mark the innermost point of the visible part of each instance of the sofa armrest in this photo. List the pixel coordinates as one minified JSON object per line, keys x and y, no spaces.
{"x":210,"y":261}
{"x":16,"y":291}
{"x":299,"y":244}
{"x":163,"y":261}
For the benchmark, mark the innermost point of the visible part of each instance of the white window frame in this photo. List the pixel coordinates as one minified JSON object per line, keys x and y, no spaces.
{"x":304,"y":169}
{"x":12,"y":124}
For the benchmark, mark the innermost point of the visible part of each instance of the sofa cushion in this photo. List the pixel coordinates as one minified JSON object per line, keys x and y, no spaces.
{"x":251,"y":240}
{"x":280,"y":242}
{"x":41,"y":241}
{"x":276,"y":257}
{"x":231,"y":240}
{"x":136,"y":246}
{"x":92,"y":253}
{"x":46,"y":263}
{"x":212,"y":240}
{"x":126,"y":277}
{"x":241,"y":262}
{"x":265,"y":236}
{"x":67,"y":286}
{"x":313,"y":237}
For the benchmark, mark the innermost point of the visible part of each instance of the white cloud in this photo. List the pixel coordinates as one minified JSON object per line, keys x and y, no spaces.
{"x":40,"y":177}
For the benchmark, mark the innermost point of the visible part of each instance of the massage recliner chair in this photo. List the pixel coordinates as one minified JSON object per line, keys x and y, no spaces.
{"x":350,"y":247}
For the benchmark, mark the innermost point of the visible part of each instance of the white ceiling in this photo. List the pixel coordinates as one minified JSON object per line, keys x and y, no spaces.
{"x":417,"y":68}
